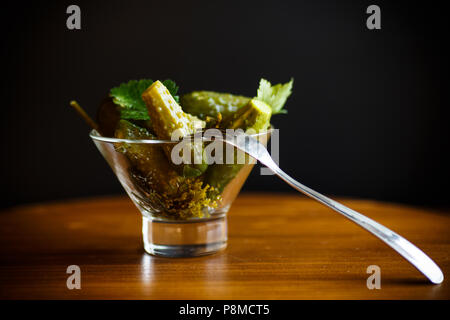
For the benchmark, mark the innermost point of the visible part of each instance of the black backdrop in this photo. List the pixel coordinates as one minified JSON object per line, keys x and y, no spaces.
{"x":368,"y":117}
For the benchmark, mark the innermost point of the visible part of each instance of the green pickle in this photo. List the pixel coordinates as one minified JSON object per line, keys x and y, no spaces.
{"x":108,"y":117}
{"x":252,"y":118}
{"x":170,"y":194}
{"x":168,"y":119}
{"x":205,"y":104}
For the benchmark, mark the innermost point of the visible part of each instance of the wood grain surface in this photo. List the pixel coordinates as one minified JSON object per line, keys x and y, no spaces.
{"x":280,"y":247}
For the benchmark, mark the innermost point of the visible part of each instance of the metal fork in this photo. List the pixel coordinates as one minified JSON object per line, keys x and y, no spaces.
{"x":405,"y":248}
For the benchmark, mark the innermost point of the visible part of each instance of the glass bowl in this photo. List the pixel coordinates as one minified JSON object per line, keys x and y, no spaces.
{"x":181,"y":216}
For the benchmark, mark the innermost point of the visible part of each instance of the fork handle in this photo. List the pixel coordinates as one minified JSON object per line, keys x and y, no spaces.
{"x":405,"y":248}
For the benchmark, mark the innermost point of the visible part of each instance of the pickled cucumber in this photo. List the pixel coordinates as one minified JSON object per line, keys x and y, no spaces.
{"x":107,"y":117}
{"x":169,"y":121}
{"x":147,"y":159}
{"x":169,"y":194}
{"x":252,"y":118}
{"x":255,"y":115}
{"x":208,"y":103}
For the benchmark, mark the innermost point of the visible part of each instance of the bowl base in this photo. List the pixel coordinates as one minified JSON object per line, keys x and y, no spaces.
{"x":190,"y":238}
{"x":184,"y":250}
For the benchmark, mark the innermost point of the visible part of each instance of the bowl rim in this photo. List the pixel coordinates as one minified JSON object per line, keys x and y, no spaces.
{"x":95,"y":135}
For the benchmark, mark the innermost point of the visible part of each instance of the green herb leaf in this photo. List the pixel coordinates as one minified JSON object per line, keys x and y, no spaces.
{"x":275,"y":96}
{"x":173,"y":89}
{"x":128,"y":96}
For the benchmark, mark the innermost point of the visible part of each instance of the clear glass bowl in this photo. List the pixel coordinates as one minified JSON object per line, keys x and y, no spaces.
{"x":181,"y":217}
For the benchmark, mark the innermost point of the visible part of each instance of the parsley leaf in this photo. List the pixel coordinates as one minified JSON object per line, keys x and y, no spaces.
{"x":128,"y":96}
{"x":275,"y":96}
{"x":173,"y":89}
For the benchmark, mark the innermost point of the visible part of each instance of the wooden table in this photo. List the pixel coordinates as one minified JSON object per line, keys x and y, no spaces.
{"x":280,"y":247}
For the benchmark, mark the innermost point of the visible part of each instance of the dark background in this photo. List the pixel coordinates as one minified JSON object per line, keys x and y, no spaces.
{"x":368,"y":117}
